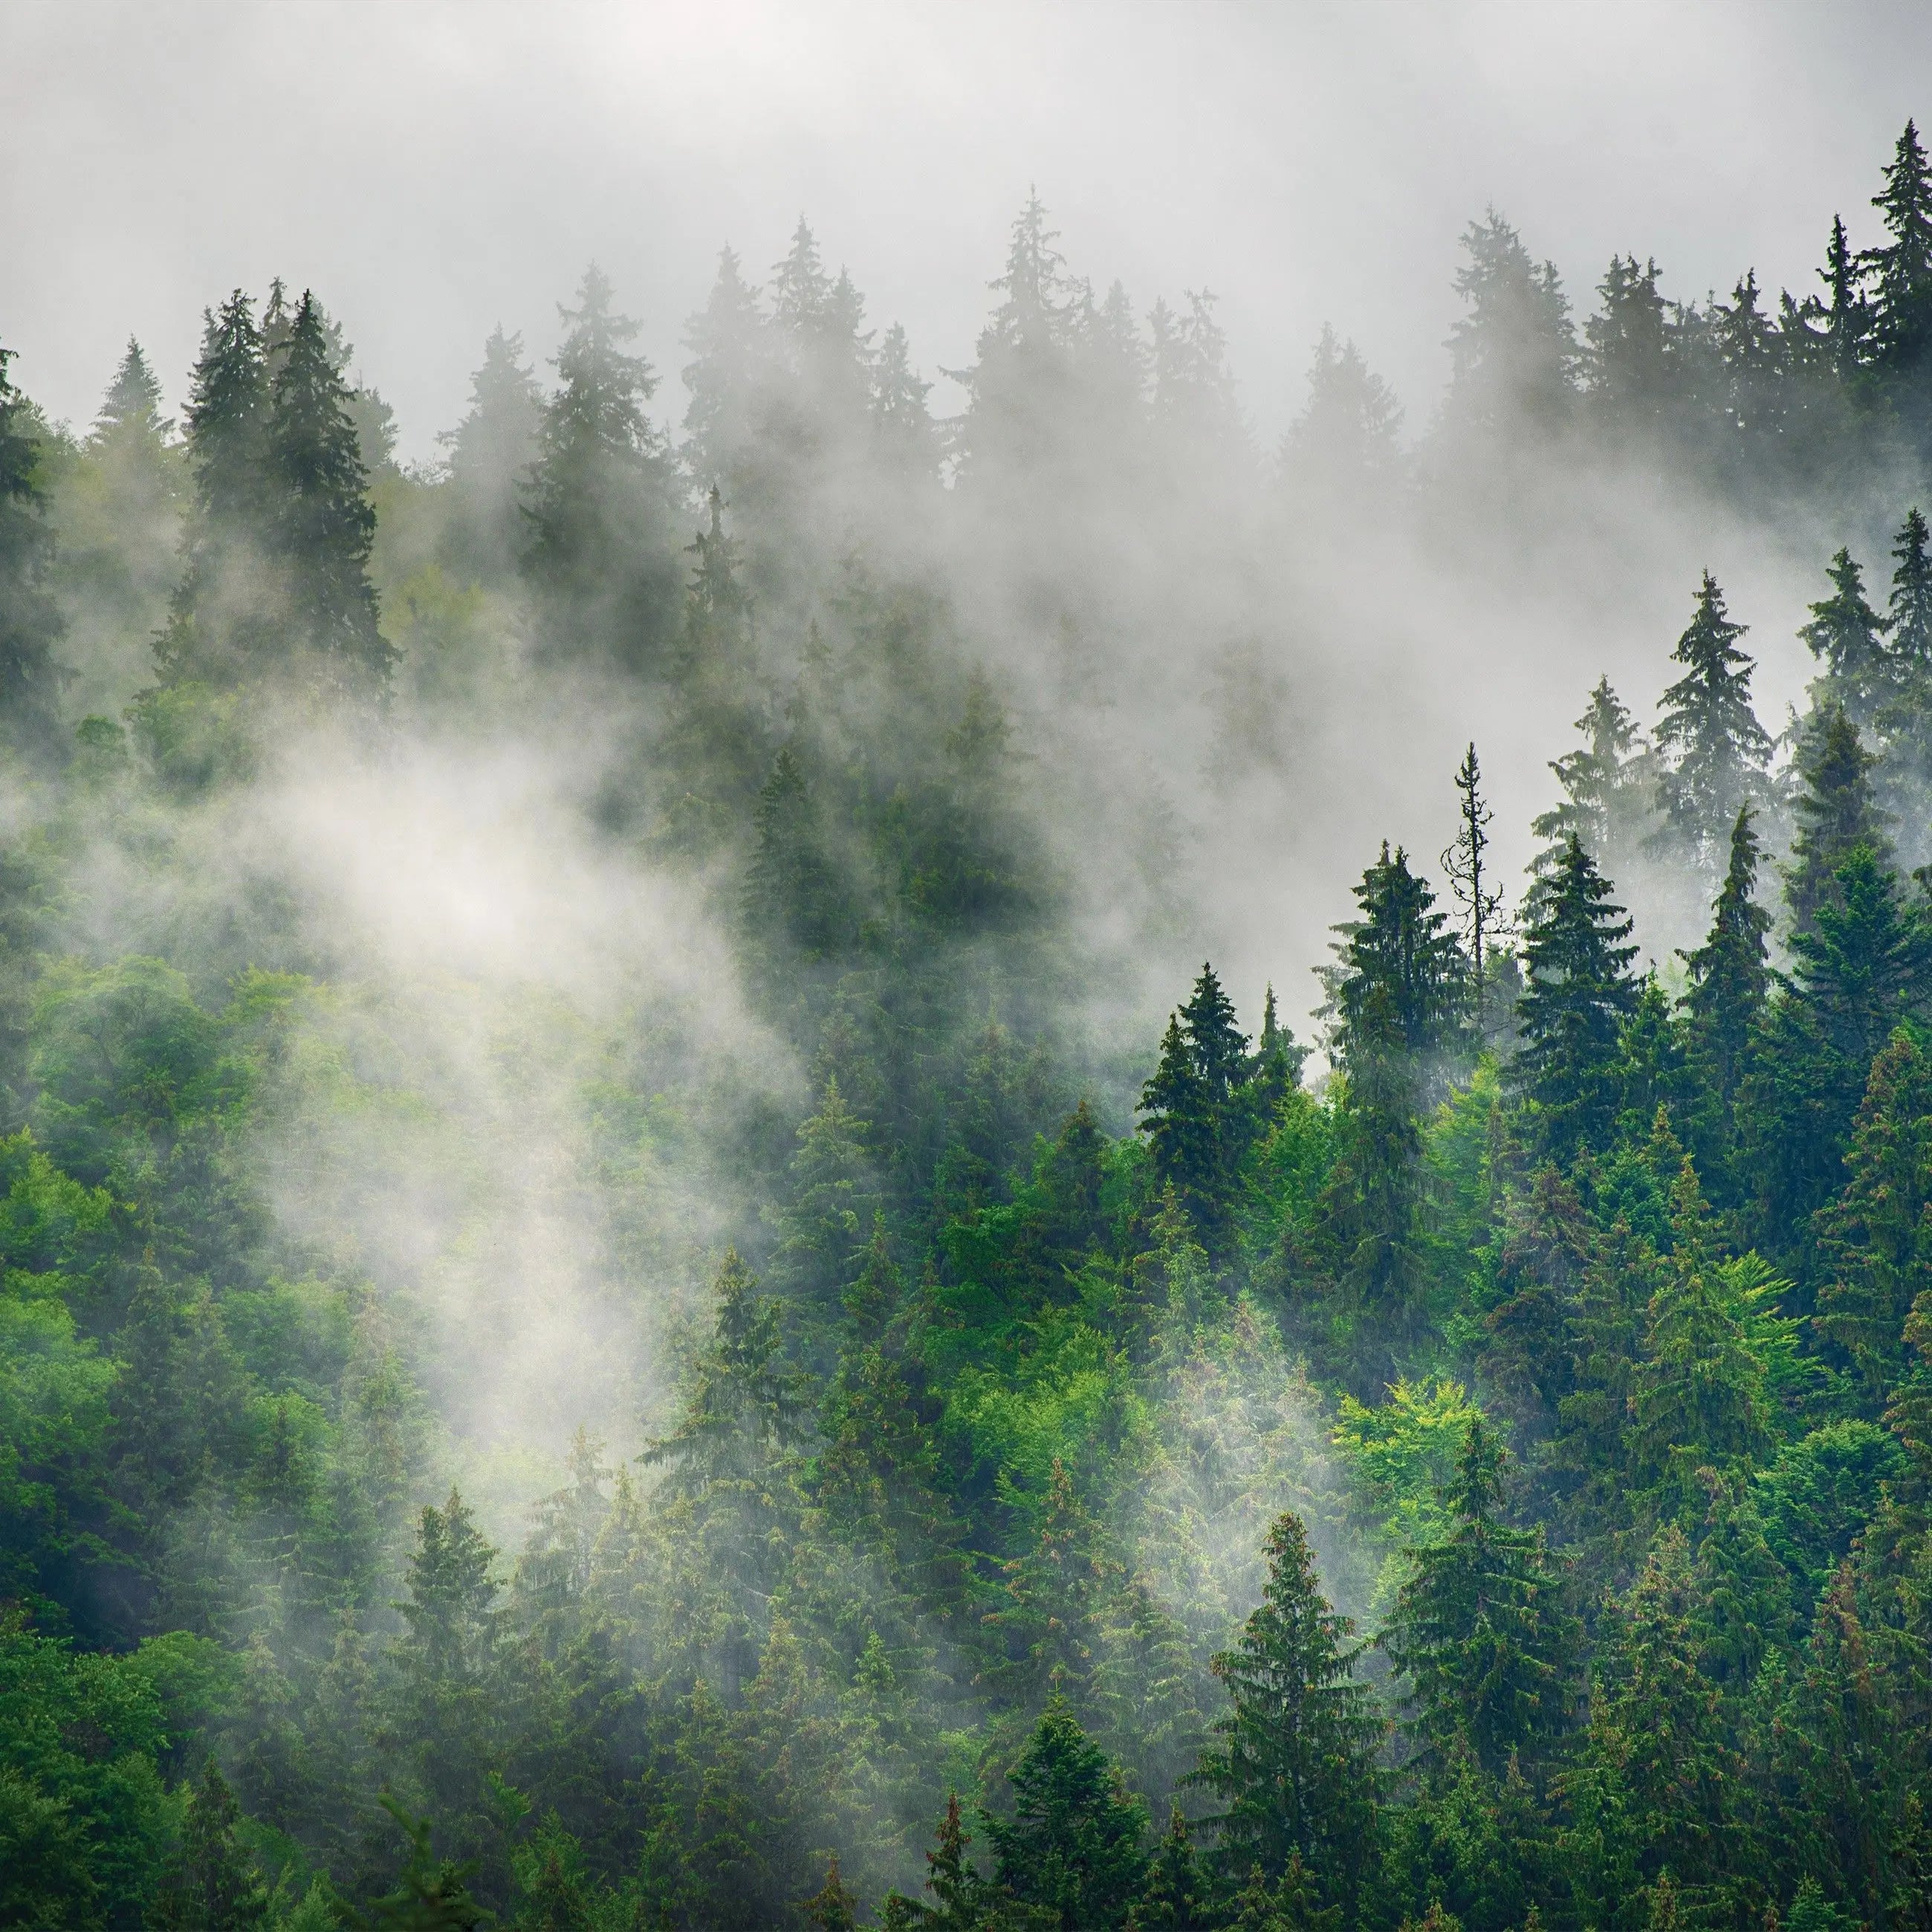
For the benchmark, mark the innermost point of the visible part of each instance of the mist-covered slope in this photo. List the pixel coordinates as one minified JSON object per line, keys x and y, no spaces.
{"x":646,"y":1283}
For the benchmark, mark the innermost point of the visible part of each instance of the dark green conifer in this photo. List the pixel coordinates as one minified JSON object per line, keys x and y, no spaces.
{"x":490,"y":452}
{"x":1199,"y":1111}
{"x":1847,"y":313}
{"x":1847,"y":637}
{"x":598,"y":499}
{"x":1577,"y":992}
{"x":1874,"y":1237}
{"x":1656,"y":1723}
{"x":1908,"y":615}
{"x":1717,"y":749}
{"x":1900,"y":268}
{"x":31,"y":625}
{"x":1479,"y":1630}
{"x":1074,"y":1846}
{"x":1729,"y":974}
{"x":1295,"y":1760}
{"x":211,"y":1884}
{"x":323,"y":524}
{"x":1835,"y":812}
{"x":1178,"y":1897}
{"x":1398,"y":943}
{"x":1606,"y":785}
{"x":1698,"y":1399}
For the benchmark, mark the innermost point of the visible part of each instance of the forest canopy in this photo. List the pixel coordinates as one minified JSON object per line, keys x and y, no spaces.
{"x":645,"y":1283}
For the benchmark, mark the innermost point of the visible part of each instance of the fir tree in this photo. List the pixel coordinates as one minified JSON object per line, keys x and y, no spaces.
{"x":1513,"y":355}
{"x":1901,"y":268}
{"x":324,"y":525}
{"x":210,"y":1885}
{"x":1201,"y":1120}
{"x":1398,"y":945}
{"x":1075,"y":1845}
{"x":1608,"y":782}
{"x":1577,"y":992}
{"x":906,"y":436}
{"x":431,"y":1894}
{"x":1179,"y":1897}
{"x":1875,"y":1238}
{"x":1847,"y":637}
{"x":1834,"y":810}
{"x":1698,"y":1399}
{"x":728,"y":377}
{"x":1716,"y":748}
{"x":222,"y":618}
{"x":1847,"y":313}
{"x":1478,"y":1630}
{"x":1343,"y":445}
{"x":1656,"y":1720}
{"x":1295,"y":1760}
{"x":1729,"y":974}
{"x":1464,"y":866}
{"x":1628,"y":360}
{"x":597,"y":499}
{"x":31,"y":625}
{"x":1908,"y":611}
{"x":490,"y":451}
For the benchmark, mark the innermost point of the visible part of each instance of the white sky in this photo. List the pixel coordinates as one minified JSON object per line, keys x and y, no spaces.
{"x":431,"y":168}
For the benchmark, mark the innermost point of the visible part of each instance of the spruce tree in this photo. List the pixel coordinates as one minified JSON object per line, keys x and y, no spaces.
{"x":1717,"y":749}
{"x":1835,"y":812}
{"x":1577,"y":992}
{"x":211,"y":1884}
{"x":1343,"y":446}
{"x":729,"y":378}
{"x":1199,"y":1114}
{"x":904,"y":435}
{"x":1656,"y":1721}
{"x":31,"y":625}
{"x":1847,"y":313}
{"x":598,"y":497}
{"x":1468,"y":873}
{"x":1874,"y":1237}
{"x":1698,"y":1398}
{"x":1901,"y":268}
{"x":1398,"y":944}
{"x":1847,"y":637}
{"x":1479,"y":1630}
{"x":1730,"y":975}
{"x":1075,"y":1847}
{"x":1294,"y":1761}
{"x":1607,"y":783}
{"x":1908,"y":611}
{"x":1513,"y":355}
{"x":324,"y":524}
{"x":222,"y":617}
{"x":1179,"y":1896}
{"x":1629,"y":360}
{"x":490,"y":451}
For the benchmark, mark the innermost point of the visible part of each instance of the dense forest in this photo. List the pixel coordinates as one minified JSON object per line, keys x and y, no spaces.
{"x":616,"y":1312}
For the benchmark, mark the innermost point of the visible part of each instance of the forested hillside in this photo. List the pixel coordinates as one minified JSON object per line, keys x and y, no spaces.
{"x":617,"y":1312}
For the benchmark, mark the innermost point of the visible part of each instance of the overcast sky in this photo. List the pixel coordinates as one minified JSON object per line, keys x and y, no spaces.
{"x":432,"y":168}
